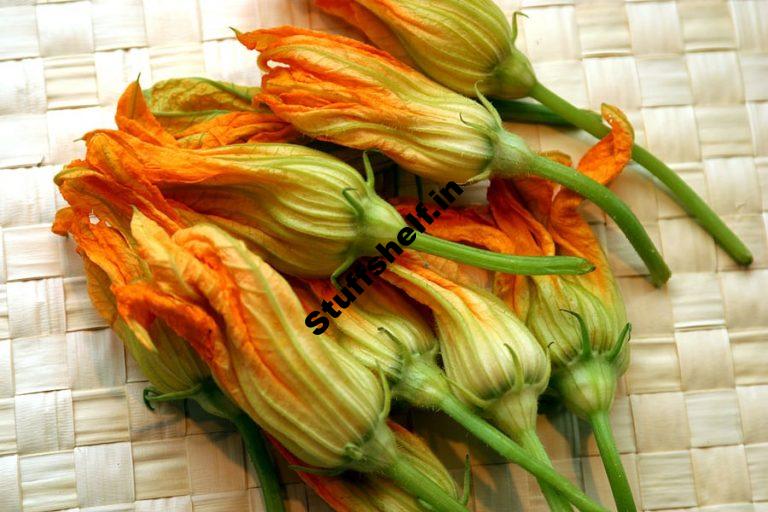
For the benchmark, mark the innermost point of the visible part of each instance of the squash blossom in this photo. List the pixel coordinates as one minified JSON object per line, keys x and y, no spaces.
{"x":489,"y":353}
{"x":112,"y":266}
{"x":98,"y":222}
{"x":303,"y":390}
{"x":343,"y":91}
{"x":458,"y":43}
{"x":111,"y":262}
{"x":382,"y":330}
{"x":469,"y":47}
{"x":353,"y":492}
{"x":582,"y":320}
{"x":304,"y":212}
{"x":490,"y":356}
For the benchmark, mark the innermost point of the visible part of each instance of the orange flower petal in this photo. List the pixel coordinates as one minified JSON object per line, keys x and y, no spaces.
{"x":107,"y":257}
{"x":143,"y":302}
{"x":603,"y":162}
{"x":89,"y":191}
{"x":261,"y":40}
{"x":237,"y":128}
{"x":133,"y":116}
{"x":106,"y":248}
{"x":530,"y":237}
{"x":99,"y":291}
{"x":369,"y":24}
{"x":469,"y":226}
{"x":63,"y":221}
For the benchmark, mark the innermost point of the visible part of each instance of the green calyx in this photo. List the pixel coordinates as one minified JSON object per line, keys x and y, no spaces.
{"x":380,"y":454}
{"x":421,"y":384}
{"x":151,"y":395}
{"x":377,"y":221}
{"x":515,"y":411}
{"x":513,"y":77}
{"x":587,"y":384}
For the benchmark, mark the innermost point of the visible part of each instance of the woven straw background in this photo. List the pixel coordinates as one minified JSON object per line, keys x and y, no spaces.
{"x":692,"y":415}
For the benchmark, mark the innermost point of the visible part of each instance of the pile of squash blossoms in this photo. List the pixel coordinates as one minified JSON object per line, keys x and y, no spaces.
{"x":236,"y":239}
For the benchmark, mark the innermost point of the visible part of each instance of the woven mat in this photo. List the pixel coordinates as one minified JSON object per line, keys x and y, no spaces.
{"x":692,"y":413}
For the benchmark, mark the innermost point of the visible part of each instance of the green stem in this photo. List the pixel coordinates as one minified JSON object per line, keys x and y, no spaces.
{"x":622,"y":493}
{"x":515,"y":453}
{"x":213,"y":401}
{"x":614,"y":207}
{"x":523,"y":112}
{"x":256,"y":446}
{"x":532,"y":444}
{"x":522,"y":265}
{"x":683,"y":194}
{"x":413,"y":481}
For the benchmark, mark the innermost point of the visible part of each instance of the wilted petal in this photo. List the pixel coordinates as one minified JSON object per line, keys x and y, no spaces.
{"x":113,"y":266}
{"x":133,"y":116}
{"x":237,"y":128}
{"x":603,"y":162}
{"x":144,"y":303}
{"x":95,"y":192}
{"x":179,"y":103}
{"x":369,"y":24}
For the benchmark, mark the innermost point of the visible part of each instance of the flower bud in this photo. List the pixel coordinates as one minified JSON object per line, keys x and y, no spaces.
{"x":381,"y":328}
{"x":298,"y":208}
{"x":483,"y":54}
{"x":111,"y":262}
{"x":578,"y":326}
{"x":343,"y":91}
{"x":302,"y":389}
{"x":550,"y":321}
{"x":486,"y":350}
{"x":373,"y":493}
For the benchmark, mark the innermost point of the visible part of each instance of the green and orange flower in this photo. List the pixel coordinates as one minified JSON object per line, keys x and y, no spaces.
{"x":466,"y":45}
{"x":264,"y":358}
